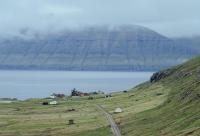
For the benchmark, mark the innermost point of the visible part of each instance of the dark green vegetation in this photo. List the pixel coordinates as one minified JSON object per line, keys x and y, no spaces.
{"x":168,"y":106}
{"x":122,"y":48}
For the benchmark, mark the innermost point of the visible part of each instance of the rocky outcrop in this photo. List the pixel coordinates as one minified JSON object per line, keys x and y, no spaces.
{"x":159,"y":75}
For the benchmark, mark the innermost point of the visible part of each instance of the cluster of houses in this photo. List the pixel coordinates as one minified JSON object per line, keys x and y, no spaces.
{"x":75,"y":92}
{"x":78,"y":93}
{"x":52,"y":98}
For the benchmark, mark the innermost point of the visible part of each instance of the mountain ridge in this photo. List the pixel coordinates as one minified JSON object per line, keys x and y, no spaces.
{"x":124,"y":48}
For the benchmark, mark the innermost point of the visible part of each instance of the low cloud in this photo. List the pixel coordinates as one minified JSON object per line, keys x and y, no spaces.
{"x":173,"y":18}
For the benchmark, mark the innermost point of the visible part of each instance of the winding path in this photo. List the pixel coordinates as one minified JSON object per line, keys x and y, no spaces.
{"x":111,"y":121}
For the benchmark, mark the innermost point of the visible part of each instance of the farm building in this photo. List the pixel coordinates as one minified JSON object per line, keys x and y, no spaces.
{"x":53,"y":102}
{"x":118,"y":110}
{"x":52,"y":96}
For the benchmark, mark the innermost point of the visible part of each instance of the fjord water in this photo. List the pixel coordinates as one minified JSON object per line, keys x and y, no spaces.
{"x":38,"y":84}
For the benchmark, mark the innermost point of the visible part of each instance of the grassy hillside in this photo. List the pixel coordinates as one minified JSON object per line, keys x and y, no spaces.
{"x":168,"y":106}
{"x":180,"y":112}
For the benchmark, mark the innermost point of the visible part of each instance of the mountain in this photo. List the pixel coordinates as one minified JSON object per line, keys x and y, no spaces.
{"x":123,"y":48}
{"x":193,"y":42}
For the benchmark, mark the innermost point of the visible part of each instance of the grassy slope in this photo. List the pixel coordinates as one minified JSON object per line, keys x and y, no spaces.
{"x":168,"y":107}
{"x":179,"y":114}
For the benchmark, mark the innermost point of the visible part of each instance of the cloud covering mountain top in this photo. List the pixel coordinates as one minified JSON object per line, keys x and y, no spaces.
{"x":173,"y":18}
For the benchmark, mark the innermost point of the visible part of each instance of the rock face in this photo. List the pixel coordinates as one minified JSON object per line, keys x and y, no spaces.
{"x":125,"y":48}
{"x":159,"y":75}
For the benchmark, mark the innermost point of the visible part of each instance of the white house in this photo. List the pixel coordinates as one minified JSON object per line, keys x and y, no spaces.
{"x":53,"y":102}
{"x":118,"y":110}
{"x":52,"y":96}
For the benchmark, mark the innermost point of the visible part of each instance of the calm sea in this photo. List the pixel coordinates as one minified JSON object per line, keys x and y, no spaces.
{"x":38,"y":84}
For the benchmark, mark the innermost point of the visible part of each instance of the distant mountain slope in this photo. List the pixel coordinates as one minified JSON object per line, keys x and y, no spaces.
{"x":193,"y":42}
{"x":123,"y":48}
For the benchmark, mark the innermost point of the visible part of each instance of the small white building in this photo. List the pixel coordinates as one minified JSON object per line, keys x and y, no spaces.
{"x":118,"y":110}
{"x":53,"y":103}
{"x":52,"y":96}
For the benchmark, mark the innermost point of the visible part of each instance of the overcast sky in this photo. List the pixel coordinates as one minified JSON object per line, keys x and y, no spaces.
{"x":173,"y":18}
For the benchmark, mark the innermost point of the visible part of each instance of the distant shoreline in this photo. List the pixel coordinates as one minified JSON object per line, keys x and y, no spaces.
{"x":67,"y":70}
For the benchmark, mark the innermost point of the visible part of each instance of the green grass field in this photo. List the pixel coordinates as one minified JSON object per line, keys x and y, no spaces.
{"x":167,"y":107}
{"x":33,"y":118}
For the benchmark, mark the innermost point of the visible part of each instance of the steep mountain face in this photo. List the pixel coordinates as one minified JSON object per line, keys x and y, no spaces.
{"x":119,"y":48}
